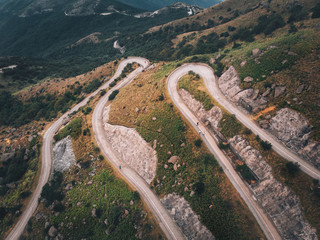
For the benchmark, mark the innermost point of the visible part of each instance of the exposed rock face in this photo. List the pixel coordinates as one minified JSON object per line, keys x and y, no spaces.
{"x":293,"y":130}
{"x":211,"y":117}
{"x":63,"y":156}
{"x":281,"y":204}
{"x":185,"y":218}
{"x":249,"y":99}
{"x":131,"y":148}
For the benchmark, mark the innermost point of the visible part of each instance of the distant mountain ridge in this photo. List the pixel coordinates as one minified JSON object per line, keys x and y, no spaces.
{"x":156,"y":4}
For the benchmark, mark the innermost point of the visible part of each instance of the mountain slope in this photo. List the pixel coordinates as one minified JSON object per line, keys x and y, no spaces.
{"x":155,"y":4}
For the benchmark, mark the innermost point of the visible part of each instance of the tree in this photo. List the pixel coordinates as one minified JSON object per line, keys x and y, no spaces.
{"x":293,"y":168}
{"x":113,"y":95}
{"x":198,"y":143}
{"x":265,"y":145}
{"x":199,"y":187}
{"x":316,"y":11}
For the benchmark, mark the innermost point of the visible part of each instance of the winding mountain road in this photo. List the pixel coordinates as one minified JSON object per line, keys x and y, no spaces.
{"x":46,"y":150}
{"x":166,"y":223}
{"x":206,"y":73}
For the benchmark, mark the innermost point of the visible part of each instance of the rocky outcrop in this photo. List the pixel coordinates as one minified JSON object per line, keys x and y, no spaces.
{"x":132,"y":149}
{"x":249,"y":99}
{"x":63,"y":156}
{"x":281,"y":204}
{"x":294,"y":131}
{"x":211,"y":117}
{"x":185,"y":218}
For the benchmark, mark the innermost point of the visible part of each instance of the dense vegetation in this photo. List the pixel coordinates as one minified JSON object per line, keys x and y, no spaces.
{"x":73,"y":129}
{"x":17,"y":175}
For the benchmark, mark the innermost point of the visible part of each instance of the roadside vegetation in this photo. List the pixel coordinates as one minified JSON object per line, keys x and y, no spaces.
{"x":17,"y":175}
{"x":286,"y":172}
{"x":90,"y":200}
{"x":198,"y":177}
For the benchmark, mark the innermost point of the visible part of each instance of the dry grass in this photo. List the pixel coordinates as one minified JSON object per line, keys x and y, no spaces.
{"x":59,"y":85}
{"x":145,"y":92}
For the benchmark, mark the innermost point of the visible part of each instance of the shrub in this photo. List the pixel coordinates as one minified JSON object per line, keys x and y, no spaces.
{"x":73,"y":129}
{"x":113,"y":95}
{"x":51,"y":191}
{"x":297,"y":14}
{"x":161,"y":97}
{"x":198,"y":143}
{"x":86,"y":132}
{"x":293,"y":168}
{"x":93,"y":85}
{"x":112,"y":84}
{"x":101,"y":157}
{"x":243,"y":34}
{"x":3,"y":190}
{"x":224,"y":146}
{"x":59,"y":207}
{"x":198,"y":187}
{"x":247,"y":131}
{"x":246,"y":173}
{"x":316,"y":11}
{"x":265,"y":145}
{"x":292,"y":28}
{"x":268,"y":23}
{"x":3,"y":212}
{"x":231,"y":28}
{"x":87,"y":110}
{"x":102,"y":92}
{"x":25,"y":194}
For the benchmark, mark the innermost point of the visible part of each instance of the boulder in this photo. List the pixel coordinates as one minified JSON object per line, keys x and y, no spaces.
{"x":279,"y":90}
{"x":93,"y":212}
{"x":243,"y":63}
{"x":256,"y":52}
{"x":300,"y":89}
{"x":52,"y":231}
{"x":267,"y":92}
{"x":248,"y":79}
{"x":46,"y":225}
{"x":174,"y":159}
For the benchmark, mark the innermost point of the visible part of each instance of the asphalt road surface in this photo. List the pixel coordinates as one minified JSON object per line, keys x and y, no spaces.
{"x":165,"y":221}
{"x":46,"y":151}
{"x":207,"y":74}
